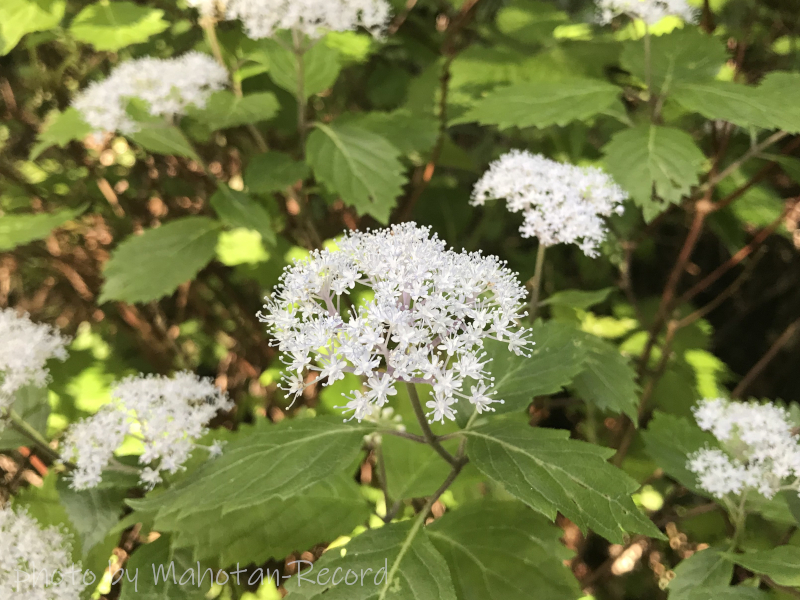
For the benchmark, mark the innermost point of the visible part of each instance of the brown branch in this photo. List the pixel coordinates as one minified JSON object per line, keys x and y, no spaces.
{"x":776,"y":347}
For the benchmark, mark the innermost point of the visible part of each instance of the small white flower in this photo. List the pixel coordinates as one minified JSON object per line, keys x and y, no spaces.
{"x":759,"y":451}
{"x":262,"y":18}
{"x":167,"y":87}
{"x":25,"y":348}
{"x":560,"y":203}
{"x":35,"y":561}
{"x":167,"y":413}
{"x":432,"y":311}
{"x":649,"y":11}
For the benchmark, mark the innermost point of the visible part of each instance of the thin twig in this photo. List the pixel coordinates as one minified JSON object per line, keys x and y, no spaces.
{"x":754,"y":372}
{"x":775,"y":137}
{"x":430,"y":437}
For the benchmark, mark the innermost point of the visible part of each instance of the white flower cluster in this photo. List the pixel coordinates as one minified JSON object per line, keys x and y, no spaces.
{"x":166,"y":413}
{"x":35,"y":562}
{"x":167,"y":86}
{"x":262,"y":18}
{"x":649,"y":11}
{"x":561,"y":203}
{"x":208,"y":8}
{"x":24,"y":351}
{"x":760,"y":450}
{"x":431,"y":310}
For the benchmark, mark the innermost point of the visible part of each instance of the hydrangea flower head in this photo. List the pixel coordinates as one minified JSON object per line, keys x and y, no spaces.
{"x":25,"y":349}
{"x":167,"y":86}
{"x":35,"y":562}
{"x":649,"y":11}
{"x":166,"y":413}
{"x":262,"y":18}
{"x":561,"y":203}
{"x":760,"y":449}
{"x":430,"y":312}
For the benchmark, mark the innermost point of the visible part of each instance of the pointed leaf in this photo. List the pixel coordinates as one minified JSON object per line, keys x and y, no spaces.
{"x":18,"y":17}
{"x":224,"y":109}
{"x":581,"y":299}
{"x":550,"y":473}
{"x":238,"y":209}
{"x":19,"y":229}
{"x":152,"y":265}
{"x":724,"y":100}
{"x":60,"y":129}
{"x":320,"y":68}
{"x":114,"y":25}
{"x":705,"y":569}
{"x":164,"y":139}
{"x":273,"y":172}
{"x":781,"y":564}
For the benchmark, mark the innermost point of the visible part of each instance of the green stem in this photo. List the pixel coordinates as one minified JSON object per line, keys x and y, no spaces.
{"x":739,"y":519}
{"x":299,"y":52}
{"x":426,"y":428}
{"x":21,"y":426}
{"x":536,"y":281}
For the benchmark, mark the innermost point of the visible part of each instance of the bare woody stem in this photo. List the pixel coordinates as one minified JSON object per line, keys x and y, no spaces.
{"x":430,"y":438}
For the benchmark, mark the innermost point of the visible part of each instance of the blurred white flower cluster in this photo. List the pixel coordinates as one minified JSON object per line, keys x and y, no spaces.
{"x":24,"y":351}
{"x":208,"y":8}
{"x":759,"y":452}
{"x":166,"y":413}
{"x":423,"y":318}
{"x":167,"y":86}
{"x":649,"y":11}
{"x":561,"y":203}
{"x":262,"y":18}
{"x":35,"y":561}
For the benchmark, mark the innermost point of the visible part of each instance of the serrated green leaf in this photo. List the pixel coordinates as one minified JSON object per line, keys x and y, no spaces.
{"x":739,"y":104}
{"x":163,"y":139}
{"x":363,"y":167}
{"x":408,"y":133}
{"x":273,"y":528}
{"x":17,"y":229}
{"x":93,"y":512}
{"x":781,"y":564}
{"x":237,"y":209}
{"x":19,"y":17}
{"x":225,"y":109}
{"x":503,"y":551}
{"x":160,"y":570}
{"x":275,"y":461}
{"x":669,"y":440}
{"x":152,"y":265}
{"x":320,"y":68}
{"x":115,"y":25}
{"x":31,"y":404}
{"x":778,"y":92}
{"x":543,"y":103}
{"x":578,"y":298}
{"x":607,"y":380}
{"x":656,"y":165}
{"x":413,"y":568}
{"x":705,"y":569}
{"x":556,"y":358}
{"x":551,"y":473}
{"x":61,"y":129}
{"x":273,"y":172}
{"x":682,"y":55}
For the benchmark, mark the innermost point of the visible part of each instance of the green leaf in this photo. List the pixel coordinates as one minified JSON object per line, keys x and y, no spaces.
{"x":608,"y":381}
{"x":18,"y":17}
{"x":578,"y":298}
{"x":556,"y":358}
{"x":160,"y":569}
{"x":779,"y":91}
{"x":412,"y":568}
{"x":551,"y":473}
{"x":683,"y":55}
{"x":503,"y":551}
{"x":781,"y":564}
{"x":164,"y":139}
{"x":739,"y":592}
{"x":412,"y":470}
{"x":17,"y":229}
{"x":320,"y":68}
{"x":273,"y":461}
{"x":705,"y":569}
{"x":115,"y":25}
{"x":152,"y":265}
{"x":656,"y":165}
{"x":407,"y":132}
{"x":273,"y":528}
{"x":669,"y":440}
{"x":361,"y":166}
{"x":237,"y":209}
{"x":60,"y":129}
{"x":94,"y":512}
{"x":273,"y":172}
{"x":225,"y":109}
{"x":31,"y":404}
{"x":733,"y":102}
{"x":543,"y":103}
